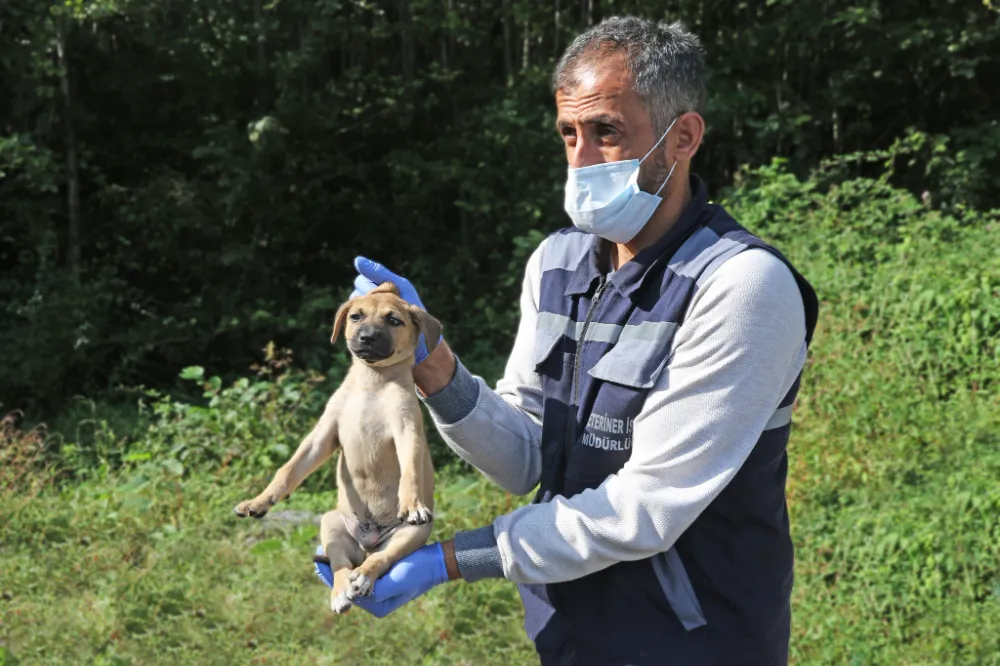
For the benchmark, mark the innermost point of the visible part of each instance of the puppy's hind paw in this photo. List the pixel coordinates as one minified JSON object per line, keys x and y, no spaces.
{"x":360,"y":585}
{"x":340,"y":604}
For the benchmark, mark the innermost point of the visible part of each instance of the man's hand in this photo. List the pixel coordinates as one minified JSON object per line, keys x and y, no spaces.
{"x":409,"y":578}
{"x":371,"y":274}
{"x":406,"y":580}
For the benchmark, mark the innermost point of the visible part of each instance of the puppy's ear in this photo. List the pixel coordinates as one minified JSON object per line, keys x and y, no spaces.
{"x":428,"y":325}
{"x":338,"y":321}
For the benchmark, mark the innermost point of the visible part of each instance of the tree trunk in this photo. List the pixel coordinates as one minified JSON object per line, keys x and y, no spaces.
{"x":555,"y":40}
{"x":346,"y":37}
{"x":258,"y":18}
{"x":838,"y":146}
{"x":446,"y":37}
{"x":508,"y":65}
{"x":406,"y":34}
{"x":72,"y":163}
{"x":525,"y":48}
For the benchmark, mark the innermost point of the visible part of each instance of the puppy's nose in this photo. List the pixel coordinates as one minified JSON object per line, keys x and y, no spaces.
{"x":369,"y":335}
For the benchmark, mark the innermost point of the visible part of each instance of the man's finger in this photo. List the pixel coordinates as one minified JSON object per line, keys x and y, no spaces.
{"x":363,"y":285}
{"x":374,"y":271}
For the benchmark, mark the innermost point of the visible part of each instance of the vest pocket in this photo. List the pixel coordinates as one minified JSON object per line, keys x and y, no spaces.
{"x":639,"y":356}
{"x":545,"y":348}
{"x":678,"y":590}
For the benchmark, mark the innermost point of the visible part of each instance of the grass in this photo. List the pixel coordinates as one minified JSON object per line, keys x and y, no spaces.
{"x":141,"y":571}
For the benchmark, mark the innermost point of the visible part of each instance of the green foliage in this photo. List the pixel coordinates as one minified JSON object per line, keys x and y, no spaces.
{"x":894,"y":455}
{"x":917,"y":287}
{"x":251,"y":424}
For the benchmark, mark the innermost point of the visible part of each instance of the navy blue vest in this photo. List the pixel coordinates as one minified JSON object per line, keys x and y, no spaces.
{"x":721,"y":594}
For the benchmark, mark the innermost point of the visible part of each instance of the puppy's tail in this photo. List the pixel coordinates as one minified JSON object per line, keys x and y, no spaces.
{"x":321,"y":566}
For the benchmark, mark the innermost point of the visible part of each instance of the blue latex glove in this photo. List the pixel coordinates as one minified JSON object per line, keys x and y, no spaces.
{"x":323,"y":569}
{"x":406,"y":580}
{"x":371,"y":274}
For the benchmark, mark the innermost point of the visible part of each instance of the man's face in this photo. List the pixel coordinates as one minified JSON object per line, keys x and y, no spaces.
{"x":602,"y":120}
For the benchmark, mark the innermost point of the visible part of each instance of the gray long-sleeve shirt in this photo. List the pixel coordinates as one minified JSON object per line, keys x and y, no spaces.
{"x":737,"y":354}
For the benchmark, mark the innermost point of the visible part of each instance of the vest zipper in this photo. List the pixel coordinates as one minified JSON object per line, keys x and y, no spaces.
{"x":575,"y":385}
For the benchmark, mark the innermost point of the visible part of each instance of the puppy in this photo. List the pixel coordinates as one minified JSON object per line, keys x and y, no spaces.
{"x":385,"y":478}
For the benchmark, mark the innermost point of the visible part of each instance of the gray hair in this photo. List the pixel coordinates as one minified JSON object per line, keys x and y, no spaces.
{"x":665,"y":61}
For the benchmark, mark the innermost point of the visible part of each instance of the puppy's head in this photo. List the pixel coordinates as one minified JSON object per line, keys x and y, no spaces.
{"x":382,"y":329}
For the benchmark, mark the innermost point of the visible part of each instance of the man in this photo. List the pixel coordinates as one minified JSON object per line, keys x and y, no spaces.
{"x":648,"y":394}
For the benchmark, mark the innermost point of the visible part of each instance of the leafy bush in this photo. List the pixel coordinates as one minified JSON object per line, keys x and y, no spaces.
{"x":254,"y":424}
{"x":250,"y":426}
{"x":26,"y":466}
{"x":910,"y":287}
{"x":894,"y":456}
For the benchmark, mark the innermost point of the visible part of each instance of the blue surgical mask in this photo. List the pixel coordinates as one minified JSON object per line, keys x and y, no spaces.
{"x":605,"y":199}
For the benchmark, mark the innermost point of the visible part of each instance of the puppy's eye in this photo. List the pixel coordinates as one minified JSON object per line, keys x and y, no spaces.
{"x":393,"y":320}
{"x":356,"y":316}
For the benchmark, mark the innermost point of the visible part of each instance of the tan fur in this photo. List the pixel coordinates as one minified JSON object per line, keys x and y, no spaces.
{"x":384,"y":472}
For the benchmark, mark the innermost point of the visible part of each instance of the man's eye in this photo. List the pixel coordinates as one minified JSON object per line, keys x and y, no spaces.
{"x":606,"y":130}
{"x":357,"y":316}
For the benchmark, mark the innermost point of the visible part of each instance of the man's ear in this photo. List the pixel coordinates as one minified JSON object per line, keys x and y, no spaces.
{"x":428,"y":325}
{"x":338,"y":321}
{"x":690,"y":130}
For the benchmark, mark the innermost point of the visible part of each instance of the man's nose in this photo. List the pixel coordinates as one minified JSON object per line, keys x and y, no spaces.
{"x":584,"y":153}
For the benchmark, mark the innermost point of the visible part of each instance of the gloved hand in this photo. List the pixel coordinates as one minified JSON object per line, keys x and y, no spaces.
{"x":321,"y":565}
{"x":371,"y":274}
{"x":406,"y":580}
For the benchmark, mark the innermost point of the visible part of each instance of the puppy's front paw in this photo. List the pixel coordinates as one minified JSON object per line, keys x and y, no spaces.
{"x":339,"y":603}
{"x":255,"y":508}
{"x":360,"y":585}
{"x":415,"y":513}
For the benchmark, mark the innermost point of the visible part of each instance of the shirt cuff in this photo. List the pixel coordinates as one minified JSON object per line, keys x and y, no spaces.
{"x":477,"y":554}
{"x":456,"y":400}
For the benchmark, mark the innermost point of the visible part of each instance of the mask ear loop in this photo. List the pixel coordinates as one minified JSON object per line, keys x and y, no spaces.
{"x":658,"y":142}
{"x":668,"y":178}
{"x":654,"y":148}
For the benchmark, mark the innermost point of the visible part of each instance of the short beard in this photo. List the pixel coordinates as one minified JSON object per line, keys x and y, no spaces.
{"x":651,"y":178}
